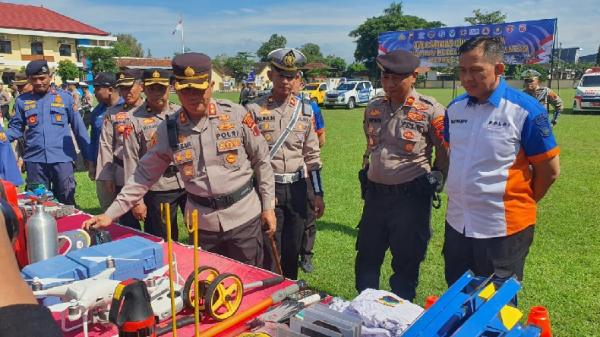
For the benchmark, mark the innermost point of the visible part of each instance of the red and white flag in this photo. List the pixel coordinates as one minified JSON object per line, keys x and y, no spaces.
{"x":178,"y":27}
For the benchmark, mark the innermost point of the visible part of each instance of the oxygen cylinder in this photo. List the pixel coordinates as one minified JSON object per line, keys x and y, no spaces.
{"x":42,"y":236}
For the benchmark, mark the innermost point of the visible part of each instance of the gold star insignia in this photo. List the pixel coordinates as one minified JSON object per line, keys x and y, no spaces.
{"x":155,"y":74}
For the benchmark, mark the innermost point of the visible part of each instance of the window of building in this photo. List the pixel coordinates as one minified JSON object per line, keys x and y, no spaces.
{"x":64,"y":50}
{"x":5,"y":47}
{"x":37,"y":48}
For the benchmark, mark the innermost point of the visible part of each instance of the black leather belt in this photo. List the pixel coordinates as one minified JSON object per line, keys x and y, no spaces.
{"x":118,"y":161}
{"x":417,"y":184}
{"x":224,"y":201}
{"x":171,"y":171}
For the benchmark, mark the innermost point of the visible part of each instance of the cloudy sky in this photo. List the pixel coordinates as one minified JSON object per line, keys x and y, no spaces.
{"x":216,"y":27}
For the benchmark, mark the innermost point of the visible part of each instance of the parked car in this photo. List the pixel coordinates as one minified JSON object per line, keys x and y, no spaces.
{"x":350,"y":94}
{"x":315,"y":91}
{"x":587,"y":92}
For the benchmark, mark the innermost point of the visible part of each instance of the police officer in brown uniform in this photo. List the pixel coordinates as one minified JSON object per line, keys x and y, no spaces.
{"x":218,"y":149}
{"x":109,"y":166}
{"x":544,"y":95}
{"x":401,"y":130}
{"x":143,"y":124}
{"x":286,"y":124}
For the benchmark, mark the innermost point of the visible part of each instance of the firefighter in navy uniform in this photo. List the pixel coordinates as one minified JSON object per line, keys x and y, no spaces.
{"x":544,"y":95}
{"x":109,"y":167}
{"x":144,"y":121}
{"x":45,"y":118}
{"x":220,"y":154}
{"x":402,"y":129}
{"x":286,"y":123}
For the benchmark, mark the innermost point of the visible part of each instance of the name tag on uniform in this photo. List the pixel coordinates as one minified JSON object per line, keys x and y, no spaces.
{"x":57,"y":105}
{"x":29,"y":106}
{"x":229,"y":144}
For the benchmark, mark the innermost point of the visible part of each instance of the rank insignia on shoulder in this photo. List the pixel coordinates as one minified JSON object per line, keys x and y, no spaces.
{"x":292,"y":101}
{"x":212,"y":110}
{"x":410,"y":101}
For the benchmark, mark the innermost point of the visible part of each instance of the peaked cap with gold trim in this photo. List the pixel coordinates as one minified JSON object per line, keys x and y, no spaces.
{"x":156,"y":76}
{"x":127,"y":77}
{"x":192,"y":70}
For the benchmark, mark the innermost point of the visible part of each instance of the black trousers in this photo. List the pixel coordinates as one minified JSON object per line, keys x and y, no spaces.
{"x":243,"y":243}
{"x":396,"y":217}
{"x":154,"y":223}
{"x":502,"y":256}
{"x":310,"y":229}
{"x":290,"y":211}
{"x":128,"y":219}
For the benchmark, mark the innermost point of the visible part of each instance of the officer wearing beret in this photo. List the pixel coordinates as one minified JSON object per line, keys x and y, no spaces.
{"x":286,"y":123}
{"x":219,"y":151}
{"x":402,"y":129}
{"x":107,"y":96}
{"x":144,"y":122}
{"x":544,"y":95}
{"x":45,"y":118}
{"x":109,"y":167}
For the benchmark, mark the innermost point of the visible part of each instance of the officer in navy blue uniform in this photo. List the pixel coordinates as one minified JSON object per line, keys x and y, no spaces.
{"x":9,"y":169}
{"x":45,"y":118}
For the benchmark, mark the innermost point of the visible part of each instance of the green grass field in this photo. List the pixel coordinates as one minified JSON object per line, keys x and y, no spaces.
{"x":562,"y":270}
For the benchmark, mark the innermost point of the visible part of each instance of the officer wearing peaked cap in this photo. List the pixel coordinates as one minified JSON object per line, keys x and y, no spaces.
{"x":286,"y":124}
{"x":401,"y":129}
{"x":219,"y":151}
{"x":544,"y":95}
{"x":109,"y":167}
{"x":144,"y":122}
{"x":45,"y":118}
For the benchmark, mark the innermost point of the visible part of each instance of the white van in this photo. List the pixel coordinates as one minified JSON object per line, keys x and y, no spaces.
{"x":587,"y":93}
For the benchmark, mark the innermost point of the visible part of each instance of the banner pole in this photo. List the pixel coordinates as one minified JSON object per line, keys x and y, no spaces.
{"x":554,"y":38}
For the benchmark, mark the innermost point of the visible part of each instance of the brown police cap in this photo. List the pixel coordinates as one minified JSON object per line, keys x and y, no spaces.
{"x":127,"y":77}
{"x":191,"y":70}
{"x":399,"y":62}
{"x":156,"y":76}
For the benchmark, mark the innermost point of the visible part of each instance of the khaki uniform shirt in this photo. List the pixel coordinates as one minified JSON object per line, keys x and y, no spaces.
{"x":116,"y":125}
{"x":216,"y":156}
{"x":143,"y":123}
{"x":301,"y":146}
{"x":400,"y":142}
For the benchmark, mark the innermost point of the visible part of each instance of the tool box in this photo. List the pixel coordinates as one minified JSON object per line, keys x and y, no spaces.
{"x":133,"y":257}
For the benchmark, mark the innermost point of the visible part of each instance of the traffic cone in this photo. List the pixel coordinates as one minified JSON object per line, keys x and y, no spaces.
{"x":538,"y":316}
{"x":430,"y":300}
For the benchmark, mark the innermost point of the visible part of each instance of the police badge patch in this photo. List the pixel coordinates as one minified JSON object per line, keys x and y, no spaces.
{"x":543,"y":125}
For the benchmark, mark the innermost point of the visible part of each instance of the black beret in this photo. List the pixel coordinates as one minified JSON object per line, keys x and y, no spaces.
{"x":37,"y":67}
{"x":105,"y":79}
{"x":191,"y":70}
{"x":158,"y":76}
{"x":399,"y":62}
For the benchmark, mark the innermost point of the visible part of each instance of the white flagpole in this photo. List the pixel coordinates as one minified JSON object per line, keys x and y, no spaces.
{"x":182,"y":41}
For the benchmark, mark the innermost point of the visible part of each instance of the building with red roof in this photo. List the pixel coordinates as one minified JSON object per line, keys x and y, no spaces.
{"x":34,"y":32}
